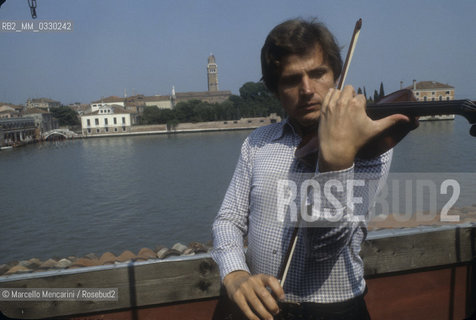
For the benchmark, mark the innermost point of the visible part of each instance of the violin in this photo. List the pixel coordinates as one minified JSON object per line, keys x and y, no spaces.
{"x":400,"y":102}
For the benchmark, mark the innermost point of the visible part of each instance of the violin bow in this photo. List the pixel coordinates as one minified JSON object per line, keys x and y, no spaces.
{"x":294,"y":237}
{"x":350,"y":53}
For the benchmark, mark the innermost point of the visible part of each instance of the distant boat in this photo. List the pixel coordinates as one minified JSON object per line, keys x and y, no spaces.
{"x":6,"y":148}
{"x":438,"y":117}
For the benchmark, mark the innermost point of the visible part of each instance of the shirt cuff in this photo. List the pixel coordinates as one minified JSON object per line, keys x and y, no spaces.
{"x":230,"y":260}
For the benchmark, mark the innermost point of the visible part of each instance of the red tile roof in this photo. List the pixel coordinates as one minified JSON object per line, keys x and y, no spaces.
{"x":467,"y":215}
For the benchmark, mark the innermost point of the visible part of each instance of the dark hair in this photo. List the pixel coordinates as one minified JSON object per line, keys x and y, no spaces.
{"x":297,"y":36}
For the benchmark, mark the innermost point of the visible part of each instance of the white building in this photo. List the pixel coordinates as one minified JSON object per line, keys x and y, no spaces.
{"x":106,"y":120}
{"x":107,"y":102}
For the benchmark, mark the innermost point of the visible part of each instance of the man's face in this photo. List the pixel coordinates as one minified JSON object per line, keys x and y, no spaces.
{"x":304,"y":82}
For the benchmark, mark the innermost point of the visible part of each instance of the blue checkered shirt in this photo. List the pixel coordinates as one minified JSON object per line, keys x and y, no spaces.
{"x":326,"y":266}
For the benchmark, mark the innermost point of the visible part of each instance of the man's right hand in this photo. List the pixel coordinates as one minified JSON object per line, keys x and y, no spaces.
{"x":251,"y":295}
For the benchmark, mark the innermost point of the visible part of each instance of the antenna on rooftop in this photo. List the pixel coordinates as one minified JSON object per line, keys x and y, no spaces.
{"x":32,"y":4}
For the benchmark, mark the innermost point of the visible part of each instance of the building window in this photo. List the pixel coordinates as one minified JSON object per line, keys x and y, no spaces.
{"x":425,"y":98}
{"x":440,"y":98}
{"x":106,"y":129}
{"x":115,"y":120}
{"x":418,"y":93}
{"x":96,"y":121}
{"x":97,"y":130}
{"x":88,"y":122}
{"x":123,"y":120}
{"x":447,"y":98}
{"x":123,"y":128}
{"x":115,"y":129}
{"x":105,"y":121}
{"x":89,"y":130}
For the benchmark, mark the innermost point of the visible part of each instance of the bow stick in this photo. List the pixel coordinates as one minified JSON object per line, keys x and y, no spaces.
{"x":350,"y":53}
{"x":294,"y":237}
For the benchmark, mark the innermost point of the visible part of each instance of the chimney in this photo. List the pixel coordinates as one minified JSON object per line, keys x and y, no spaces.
{"x":414,"y":84}
{"x":401,"y":85}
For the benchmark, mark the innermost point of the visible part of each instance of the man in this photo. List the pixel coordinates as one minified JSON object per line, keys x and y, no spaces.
{"x":301,"y":64}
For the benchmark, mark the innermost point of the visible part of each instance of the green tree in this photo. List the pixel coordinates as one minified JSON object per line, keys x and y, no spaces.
{"x":154,"y":115}
{"x":376,"y":96}
{"x":381,"y":91}
{"x":65,"y":115}
{"x":257,"y":101}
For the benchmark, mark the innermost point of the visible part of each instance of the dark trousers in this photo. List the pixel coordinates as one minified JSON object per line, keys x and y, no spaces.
{"x":354,"y":309}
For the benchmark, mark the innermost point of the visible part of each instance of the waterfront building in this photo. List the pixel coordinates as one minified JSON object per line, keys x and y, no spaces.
{"x":106,"y":120}
{"x":432,"y":91}
{"x":17,"y":131}
{"x":44,"y":120}
{"x":42,"y":103}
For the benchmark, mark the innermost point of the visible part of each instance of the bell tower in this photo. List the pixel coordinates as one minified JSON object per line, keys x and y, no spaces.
{"x":212,"y":74}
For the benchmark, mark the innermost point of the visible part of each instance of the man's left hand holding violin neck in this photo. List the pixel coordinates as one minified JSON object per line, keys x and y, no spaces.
{"x":345,"y":129}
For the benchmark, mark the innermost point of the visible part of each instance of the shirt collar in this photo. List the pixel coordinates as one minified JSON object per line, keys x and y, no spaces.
{"x":285,"y":127}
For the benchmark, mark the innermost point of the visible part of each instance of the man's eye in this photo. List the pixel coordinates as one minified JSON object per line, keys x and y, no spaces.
{"x":290,"y":81}
{"x":317,"y":74}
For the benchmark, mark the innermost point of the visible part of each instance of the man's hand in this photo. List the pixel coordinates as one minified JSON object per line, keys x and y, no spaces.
{"x":251,"y":295}
{"x":345,"y":128}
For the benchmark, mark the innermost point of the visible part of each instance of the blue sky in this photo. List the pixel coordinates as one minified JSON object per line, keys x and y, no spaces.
{"x":149,"y":46}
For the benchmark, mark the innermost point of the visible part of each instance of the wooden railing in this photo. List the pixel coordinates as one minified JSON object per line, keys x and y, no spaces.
{"x":186,"y":280}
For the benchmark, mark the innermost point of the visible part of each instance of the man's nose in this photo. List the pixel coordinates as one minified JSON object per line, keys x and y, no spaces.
{"x":305,"y":85}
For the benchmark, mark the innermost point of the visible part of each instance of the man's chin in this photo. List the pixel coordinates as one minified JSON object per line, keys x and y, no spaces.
{"x":309,"y":120}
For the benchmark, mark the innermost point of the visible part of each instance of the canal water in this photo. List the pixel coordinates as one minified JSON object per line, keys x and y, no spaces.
{"x":124,"y":193}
